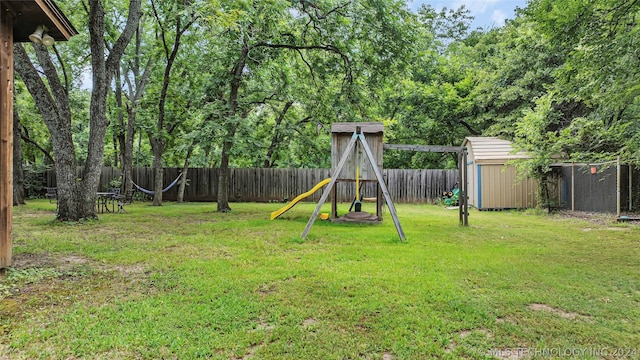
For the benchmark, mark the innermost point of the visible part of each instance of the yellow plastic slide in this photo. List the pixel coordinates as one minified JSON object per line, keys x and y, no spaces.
{"x":293,"y":202}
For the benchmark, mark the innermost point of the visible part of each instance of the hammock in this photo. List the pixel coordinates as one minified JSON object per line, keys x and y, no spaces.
{"x":151,"y":192}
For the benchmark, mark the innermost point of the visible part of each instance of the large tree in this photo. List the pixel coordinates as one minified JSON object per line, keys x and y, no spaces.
{"x":18,"y":173}
{"x":173,"y":18}
{"x":76,"y":197}
{"x":601,"y":74}
{"x":349,"y":41}
{"x":130,"y":84}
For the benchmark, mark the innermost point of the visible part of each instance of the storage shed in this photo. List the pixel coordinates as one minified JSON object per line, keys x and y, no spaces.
{"x":493,"y":184}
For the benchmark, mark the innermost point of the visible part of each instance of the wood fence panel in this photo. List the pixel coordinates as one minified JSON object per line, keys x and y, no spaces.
{"x":281,"y":185}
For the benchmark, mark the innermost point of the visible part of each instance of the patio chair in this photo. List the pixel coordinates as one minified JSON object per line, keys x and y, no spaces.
{"x":52,"y":194}
{"x":124,"y":199}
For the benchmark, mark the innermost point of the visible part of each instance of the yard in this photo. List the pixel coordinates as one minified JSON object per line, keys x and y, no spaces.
{"x":182,"y":281}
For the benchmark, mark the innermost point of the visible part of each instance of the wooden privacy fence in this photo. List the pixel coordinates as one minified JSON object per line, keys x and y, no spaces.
{"x":264,"y":185}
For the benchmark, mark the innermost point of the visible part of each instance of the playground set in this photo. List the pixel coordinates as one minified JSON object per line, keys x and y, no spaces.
{"x":356,"y":159}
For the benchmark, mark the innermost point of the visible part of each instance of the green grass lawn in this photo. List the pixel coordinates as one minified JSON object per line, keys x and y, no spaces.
{"x":183,"y":282}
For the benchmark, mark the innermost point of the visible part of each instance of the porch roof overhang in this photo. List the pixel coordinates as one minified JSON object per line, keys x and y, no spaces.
{"x":28,"y":14}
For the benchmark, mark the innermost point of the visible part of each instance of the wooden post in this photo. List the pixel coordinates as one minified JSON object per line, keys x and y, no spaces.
{"x":330,"y":186}
{"x":6,"y":136}
{"x":385,"y":192}
{"x":378,"y":201}
{"x":334,"y":202}
{"x":357,"y":136}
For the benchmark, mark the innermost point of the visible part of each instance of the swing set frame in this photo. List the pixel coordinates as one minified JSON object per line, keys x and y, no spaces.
{"x":358,"y":138}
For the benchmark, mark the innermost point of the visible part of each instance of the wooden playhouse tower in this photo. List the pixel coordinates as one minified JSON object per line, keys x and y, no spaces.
{"x":356,"y":159}
{"x":358,"y":169}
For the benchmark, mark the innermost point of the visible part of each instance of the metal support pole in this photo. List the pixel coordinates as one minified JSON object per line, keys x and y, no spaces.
{"x":573,"y":187}
{"x":618,"y":185}
{"x":461,"y":192}
{"x":465,"y":188}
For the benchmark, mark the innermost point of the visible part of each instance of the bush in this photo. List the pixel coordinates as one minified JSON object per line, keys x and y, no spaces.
{"x":35,"y":179}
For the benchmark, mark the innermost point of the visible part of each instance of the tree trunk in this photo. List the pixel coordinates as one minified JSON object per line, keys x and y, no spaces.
{"x":136,"y":89}
{"x":103,"y":68}
{"x":158,"y":143}
{"x":223,"y":177}
{"x":157,"y":146}
{"x":76,"y":197}
{"x":55,"y":111}
{"x":127,"y":153}
{"x":543,"y":190}
{"x":269,"y":160}
{"x":18,"y":173}
{"x":120,"y":137}
{"x":183,"y":181}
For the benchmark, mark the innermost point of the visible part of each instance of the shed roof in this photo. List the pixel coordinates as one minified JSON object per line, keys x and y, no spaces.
{"x":492,"y":148}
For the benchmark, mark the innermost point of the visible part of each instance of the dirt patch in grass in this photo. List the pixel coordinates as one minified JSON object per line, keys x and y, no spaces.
{"x":309,"y":322}
{"x":263,"y":326}
{"x":23,"y":261}
{"x":250,"y":352}
{"x":594,"y":218}
{"x":505,"y":320}
{"x":46,"y":281}
{"x":266,"y":289}
{"x":61,"y":262}
{"x":65,"y":263}
{"x":134,"y":269}
{"x":462,"y":334}
{"x":560,"y":312}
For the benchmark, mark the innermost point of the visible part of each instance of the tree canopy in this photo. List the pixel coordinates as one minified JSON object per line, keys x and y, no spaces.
{"x":258,"y":83}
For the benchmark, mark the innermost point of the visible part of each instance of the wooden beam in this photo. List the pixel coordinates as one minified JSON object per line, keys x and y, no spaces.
{"x":28,"y":14}
{"x":330,"y":186}
{"x":58,"y":18}
{"x":385,"y":192}
{"x":365,"y":127}
{"x":423,"y":148}
{"x":6,"y":136}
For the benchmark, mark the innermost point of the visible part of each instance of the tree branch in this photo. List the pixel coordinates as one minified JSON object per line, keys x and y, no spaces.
{"x":58,"y":91}
{"x":119,"y":47}
{"x":37,"y":146}
{"x":24,"y":67}
{"x":263,"y":101}
{"x":325,"y":47}
{"x":313,"y":75}
{"x":64,"y":70}
{"x":471,"y":130}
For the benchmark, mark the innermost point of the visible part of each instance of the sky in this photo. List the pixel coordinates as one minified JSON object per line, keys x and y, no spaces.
{"x":487,"y":13}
